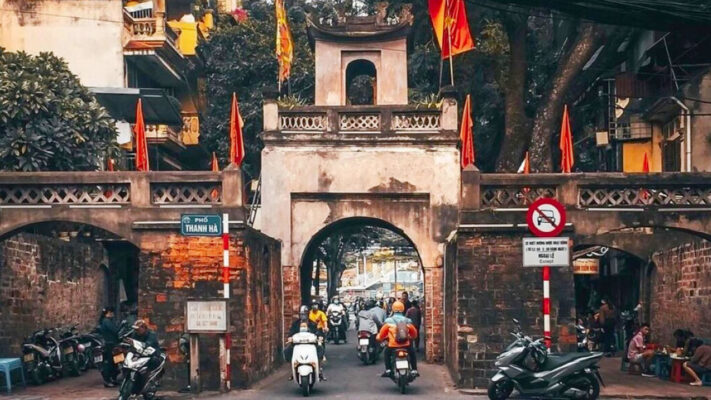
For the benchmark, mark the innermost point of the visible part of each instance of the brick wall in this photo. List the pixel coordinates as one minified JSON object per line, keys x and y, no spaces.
{"x":681,"y":291}
{"x":175,"y":268}
{"x":46,"y":282}
{"x":492,"y":288}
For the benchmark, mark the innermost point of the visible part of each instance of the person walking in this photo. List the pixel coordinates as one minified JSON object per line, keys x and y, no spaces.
{"x":608,"y":320}
{"x":415,"y":315}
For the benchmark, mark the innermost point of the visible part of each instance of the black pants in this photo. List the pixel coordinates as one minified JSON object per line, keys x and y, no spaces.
{"x":109,"y":371}
{"x":608,"y":339}
{"x":389,"y":355}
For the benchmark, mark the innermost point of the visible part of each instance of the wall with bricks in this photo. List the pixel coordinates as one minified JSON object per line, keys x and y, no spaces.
{"x":46,"y":282}
{"x":681,"y":291}
{"x":175,"y":268}
{"x":492,"y":288}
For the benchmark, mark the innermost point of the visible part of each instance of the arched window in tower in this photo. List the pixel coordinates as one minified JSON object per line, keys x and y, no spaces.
{"x":361,"y":83}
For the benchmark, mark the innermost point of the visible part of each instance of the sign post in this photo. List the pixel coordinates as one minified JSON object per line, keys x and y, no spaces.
{"x":546,"y":219}
{"x":217,"y":226}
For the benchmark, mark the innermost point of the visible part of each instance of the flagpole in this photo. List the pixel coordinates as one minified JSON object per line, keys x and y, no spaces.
{"x":449,"y":39}
{"x":441,"y":67}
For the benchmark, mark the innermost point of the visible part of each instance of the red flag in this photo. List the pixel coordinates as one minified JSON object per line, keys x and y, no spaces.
{"x":215,"y":166}
{"x":236,"y":138}
{"x":110,"y":164}
{"x":465,"y":134}
{"x":449,"y":19}
{"x":645,"y":169}
{"x":141,"y":144}
{"x":566,"y":144}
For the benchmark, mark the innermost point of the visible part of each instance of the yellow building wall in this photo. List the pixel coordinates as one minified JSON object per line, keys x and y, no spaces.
{"x":187,"y":38}
{"x":633,"y":156}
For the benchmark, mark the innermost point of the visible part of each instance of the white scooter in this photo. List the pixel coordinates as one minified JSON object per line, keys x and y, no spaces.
{"x":305,"y":366}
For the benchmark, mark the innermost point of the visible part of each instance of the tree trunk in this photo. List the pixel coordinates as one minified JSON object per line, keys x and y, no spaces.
{"x":516,"y":133}
{"x":548,"y":117}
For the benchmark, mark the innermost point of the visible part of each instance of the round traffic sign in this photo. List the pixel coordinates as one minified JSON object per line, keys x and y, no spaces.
{"x":546,"y":217}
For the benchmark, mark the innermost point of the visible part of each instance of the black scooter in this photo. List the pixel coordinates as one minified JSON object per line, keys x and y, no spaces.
{"x":527,"y":367}
{"x":41,"y":357}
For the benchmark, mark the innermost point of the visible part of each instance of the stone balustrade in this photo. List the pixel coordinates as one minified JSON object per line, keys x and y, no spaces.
{"x":672,"y":190}
{"x":152,"y":189}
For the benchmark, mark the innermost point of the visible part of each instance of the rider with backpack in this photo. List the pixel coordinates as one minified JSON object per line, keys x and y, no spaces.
{"x":399,"y":330}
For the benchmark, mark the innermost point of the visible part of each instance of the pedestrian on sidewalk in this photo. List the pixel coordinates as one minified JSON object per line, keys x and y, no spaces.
{"x":699,"y":364}
{"x":608,"y":319}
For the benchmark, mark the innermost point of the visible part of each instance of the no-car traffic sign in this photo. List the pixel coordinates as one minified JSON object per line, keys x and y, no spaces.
{"x":546,"y":217}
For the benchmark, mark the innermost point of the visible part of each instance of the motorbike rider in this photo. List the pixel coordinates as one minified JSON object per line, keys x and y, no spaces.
{"x":319,"y":318}
{"x":338,"y":308}
{"x":147,"y":336}
{"x":369,"y":320}
{"x":389,"y":331}
{"x":109,"y":332}
{"x":296,"y":328}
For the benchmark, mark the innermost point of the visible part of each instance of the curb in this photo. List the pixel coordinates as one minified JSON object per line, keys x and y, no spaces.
{"x":483,"y":392}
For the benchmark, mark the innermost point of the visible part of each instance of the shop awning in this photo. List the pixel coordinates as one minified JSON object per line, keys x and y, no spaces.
{"x":158,"y":107}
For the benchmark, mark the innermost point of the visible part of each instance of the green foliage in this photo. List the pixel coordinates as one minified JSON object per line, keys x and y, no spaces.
{"x":48,"y":120}
{"x":240,"y":57}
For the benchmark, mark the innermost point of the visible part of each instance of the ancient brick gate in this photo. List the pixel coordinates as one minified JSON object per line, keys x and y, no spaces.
{"x":144,"y":209}
{"x":664,"y":219}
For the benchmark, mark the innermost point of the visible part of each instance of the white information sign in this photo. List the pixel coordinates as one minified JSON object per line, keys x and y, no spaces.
{"x":206,"y":316}
{"x":546,"y":252}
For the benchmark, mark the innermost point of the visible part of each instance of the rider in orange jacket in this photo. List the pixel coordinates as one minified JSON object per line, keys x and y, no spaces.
{"x":389,"y":331}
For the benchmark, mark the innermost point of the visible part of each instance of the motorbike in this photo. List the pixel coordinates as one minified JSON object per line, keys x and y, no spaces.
{"x":93,"y":350}
{"x":594,"y":337}
{"x":368,"y":348}
{"x":336,"y":327}
{"x":402,"y":373}
{"x":41,"y":357}
{"x":305,"y":366}
{"x":581,"y":335}
{"x":527,"y":366}
{"x":138,"y":378}
{"x":72,"y":351}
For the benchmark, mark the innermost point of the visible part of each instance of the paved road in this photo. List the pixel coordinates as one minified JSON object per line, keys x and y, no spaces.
{"x":348,"y":378}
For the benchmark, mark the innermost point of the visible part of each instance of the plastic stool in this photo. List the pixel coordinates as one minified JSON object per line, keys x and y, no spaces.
{"x":6,"y":367}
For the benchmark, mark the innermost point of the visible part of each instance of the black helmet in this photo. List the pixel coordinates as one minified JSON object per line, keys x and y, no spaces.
{"x":370,"y":303}
{"x":314,"y":304}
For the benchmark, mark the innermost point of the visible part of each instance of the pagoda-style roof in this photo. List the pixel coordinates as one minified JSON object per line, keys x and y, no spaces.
{"x":358,"y":29}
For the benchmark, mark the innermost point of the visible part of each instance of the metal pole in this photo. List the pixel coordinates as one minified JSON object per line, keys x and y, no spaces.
{"x":547,"y":306}
{"x":226,"y":340}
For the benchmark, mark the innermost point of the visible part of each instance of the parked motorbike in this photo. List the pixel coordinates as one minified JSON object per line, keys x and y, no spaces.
{"x":581,"y":335}
{"x":336,"y":327}
{"x":368,"y":348}
{"x":305,"y":366}
{"x":402,"y":374}
{"x":93,"y":350}
{"x":41,"y":357}
{"x":594,"y":336}
{"x":527,"y":366}
{"x":139,"y":377}
{"x":72,"y":351}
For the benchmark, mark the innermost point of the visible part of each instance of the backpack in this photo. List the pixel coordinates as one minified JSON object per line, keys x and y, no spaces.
{"x":402,"y":334}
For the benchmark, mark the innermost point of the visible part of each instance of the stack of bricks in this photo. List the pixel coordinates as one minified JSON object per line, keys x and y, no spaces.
{"x":175,"y":268}
{"x":681,"y":291}
{"x":491,"y":288}
{"x":46,"y":282}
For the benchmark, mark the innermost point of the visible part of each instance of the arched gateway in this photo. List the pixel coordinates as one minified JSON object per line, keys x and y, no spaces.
{"x":389,"y":162}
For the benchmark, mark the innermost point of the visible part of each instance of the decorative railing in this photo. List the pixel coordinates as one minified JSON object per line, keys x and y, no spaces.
{"x":141,"y":189}
{"x":359,"y":121}
{"x":186,"y":193}
{"x":315,"y":122}
{"x":118,"y":193}
{"x":355,"y":119}
{"x":588,"y":190}
{"x":151,"y":28}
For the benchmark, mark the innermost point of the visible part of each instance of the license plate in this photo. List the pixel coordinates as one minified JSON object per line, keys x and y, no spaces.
{"x":364,"y":342}
{"x":68,"y":350}
{"x":402,"y":364}
{"x":98,"y":359}
{"x":29,"y":357}
{"x":118,"y":358}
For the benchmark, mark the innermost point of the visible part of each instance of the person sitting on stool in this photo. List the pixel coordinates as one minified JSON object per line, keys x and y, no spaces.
{"x":637,"y":354}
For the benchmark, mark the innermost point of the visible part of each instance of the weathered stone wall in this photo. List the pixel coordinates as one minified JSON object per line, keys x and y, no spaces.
{"x":492,"y":288}
{"x":175,"y":268}
{"x":46,"y":282}
{"x":681,"y":291}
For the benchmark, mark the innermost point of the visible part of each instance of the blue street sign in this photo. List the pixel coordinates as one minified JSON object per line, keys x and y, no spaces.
{"x":201,"y":225}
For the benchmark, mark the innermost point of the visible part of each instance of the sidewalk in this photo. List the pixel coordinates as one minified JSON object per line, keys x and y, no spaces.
{"x":621,"y":385}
